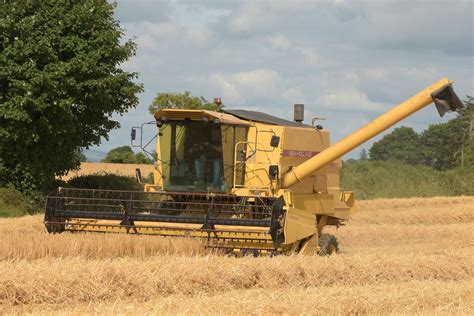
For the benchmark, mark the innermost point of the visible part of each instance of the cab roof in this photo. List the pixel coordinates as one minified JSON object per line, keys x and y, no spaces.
{"x":232,"y":117}
{"x":263,"y":118}
{"x":198,"y":115}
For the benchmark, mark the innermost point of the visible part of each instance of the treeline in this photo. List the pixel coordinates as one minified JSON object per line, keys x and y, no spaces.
{"x":441,"y":146}
{"x":394,"y":179}
{"x":404,"y":163}
{"x":125,"y":154}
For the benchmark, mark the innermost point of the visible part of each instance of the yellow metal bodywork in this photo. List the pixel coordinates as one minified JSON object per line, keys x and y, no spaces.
{"x":315,"y":195}
{"x":255,"y":236}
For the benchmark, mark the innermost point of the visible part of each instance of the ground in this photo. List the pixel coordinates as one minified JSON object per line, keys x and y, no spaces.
{"x":397,"y":256}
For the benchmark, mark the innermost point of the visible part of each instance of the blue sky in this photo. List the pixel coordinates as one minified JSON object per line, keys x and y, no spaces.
{"x":348,"y":61}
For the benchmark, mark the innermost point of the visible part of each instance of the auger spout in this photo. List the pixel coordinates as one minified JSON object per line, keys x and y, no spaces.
{"x":441,"y":93}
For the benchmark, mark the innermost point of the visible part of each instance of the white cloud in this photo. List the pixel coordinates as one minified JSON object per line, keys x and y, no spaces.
{"x":279,"y":41}
{"x":228,"y":91}
{"x":258,"y":79}
{"x":155,"y":30}
{"x":311,"y":58}
{"x":264,"y":85}
{"x":293,"y":95}
{"x":375,"y":73}
{"x":258,"y":83}
{"x":143,"y":10}
{"x":198,"y":35}
{"x":250,"y":17}
{"x":346,"y":60}
{"x":349,"y":100}
{"x":445,"y":26}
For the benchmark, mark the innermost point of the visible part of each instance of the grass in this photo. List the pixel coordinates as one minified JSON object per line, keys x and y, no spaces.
{"x":399,"y":256}
{"x":105,"y":181}
{"x":7,"y":212}
{"x":13,"y":203}
{"x":391,"y":179}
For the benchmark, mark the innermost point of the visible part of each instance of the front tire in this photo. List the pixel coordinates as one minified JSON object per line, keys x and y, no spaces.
{"x":328,"y":245}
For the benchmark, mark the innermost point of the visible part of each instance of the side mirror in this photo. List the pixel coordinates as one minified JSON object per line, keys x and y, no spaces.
{"x":275,"y":141}
{"x":136,"y":137}
{"x":273,"y":172}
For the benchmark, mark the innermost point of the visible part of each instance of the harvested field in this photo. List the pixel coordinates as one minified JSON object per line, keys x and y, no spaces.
{"x":122,"y":169}
{"x":397,"y":256}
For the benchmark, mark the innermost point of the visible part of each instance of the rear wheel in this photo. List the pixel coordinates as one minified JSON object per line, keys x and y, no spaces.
{"x":328,"y":245}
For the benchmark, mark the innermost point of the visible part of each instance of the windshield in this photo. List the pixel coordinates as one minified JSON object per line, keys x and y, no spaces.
{"x":192,"y":156}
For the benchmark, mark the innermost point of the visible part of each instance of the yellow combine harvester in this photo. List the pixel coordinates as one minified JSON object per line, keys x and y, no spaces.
{"x":245,"y":181}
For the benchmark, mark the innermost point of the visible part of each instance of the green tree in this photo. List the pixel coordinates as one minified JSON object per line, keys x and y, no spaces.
{"x":363,"y":154}
{"x":80,"y":156}
{"x":441,"y":144}
{"x":469,"y":154}
{"x":171,"y":100}
{"x":403,"y":144}
{"x":466,"y":122}
{"x":125,"y":154}
{"x":448,"y":145}
{"x":141,"y":158}
{"x":60,"y":83}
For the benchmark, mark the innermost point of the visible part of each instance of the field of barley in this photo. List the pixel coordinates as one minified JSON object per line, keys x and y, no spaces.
{"x":122,"y":169}
{"x":399,"y":256}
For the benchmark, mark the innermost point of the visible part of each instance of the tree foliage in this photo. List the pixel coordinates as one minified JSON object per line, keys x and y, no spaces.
{"x":60,"y":83}
{"x":402,"y":144}
{"x":466,"y":123}
{"x":125,"y":154}
{"x":171,"y":100}
{"x":81,"y":156}
{"x":106,"y":181}
{"x":363,"y":155}
{"x":441,"y":146}
{"x":447,"y":145}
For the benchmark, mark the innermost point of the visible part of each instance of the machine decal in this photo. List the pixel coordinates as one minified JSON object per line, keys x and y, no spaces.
{"x":298,"y":153}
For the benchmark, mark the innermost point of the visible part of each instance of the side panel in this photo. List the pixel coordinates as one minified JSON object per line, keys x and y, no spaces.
{"x":299,"y":224}
{"x":299,"y":145}
{"x":260,"y":156}
{"x":339,"y":205}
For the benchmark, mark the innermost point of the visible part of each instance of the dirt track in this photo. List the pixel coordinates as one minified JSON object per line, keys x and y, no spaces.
{"x":397,"y":256}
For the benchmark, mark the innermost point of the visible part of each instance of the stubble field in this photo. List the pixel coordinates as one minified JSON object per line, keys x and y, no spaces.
{"x":397,"y":256}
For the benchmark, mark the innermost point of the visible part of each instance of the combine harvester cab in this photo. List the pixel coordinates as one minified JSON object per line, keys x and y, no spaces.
{"x":244,"y":181}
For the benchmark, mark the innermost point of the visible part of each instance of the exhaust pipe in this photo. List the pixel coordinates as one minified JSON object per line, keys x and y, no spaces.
{"x":298,"y":113}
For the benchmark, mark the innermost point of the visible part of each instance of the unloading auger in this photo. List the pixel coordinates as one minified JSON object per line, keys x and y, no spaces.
{"x":247,"y":182}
